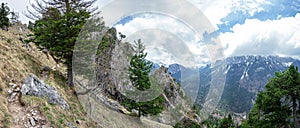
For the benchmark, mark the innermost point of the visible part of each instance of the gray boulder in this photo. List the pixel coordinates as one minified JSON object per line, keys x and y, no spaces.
{"x":33,"y":86}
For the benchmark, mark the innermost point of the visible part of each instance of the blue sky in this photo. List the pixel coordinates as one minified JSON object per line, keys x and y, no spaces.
{"x":244,"y":27}
{"x":271,"y":10}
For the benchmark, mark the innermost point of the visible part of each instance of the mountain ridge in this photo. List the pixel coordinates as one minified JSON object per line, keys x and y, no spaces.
{"x":245,"y":77}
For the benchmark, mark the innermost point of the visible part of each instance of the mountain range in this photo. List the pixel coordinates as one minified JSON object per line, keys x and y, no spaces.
{"x":245,"y":77}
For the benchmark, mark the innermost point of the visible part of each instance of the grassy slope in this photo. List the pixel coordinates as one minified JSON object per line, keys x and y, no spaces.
{"x":16,"y":62}
{"x":109,"y":118}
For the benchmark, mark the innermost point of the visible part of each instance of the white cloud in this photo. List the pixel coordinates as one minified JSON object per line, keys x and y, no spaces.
{"x":271,"y":37}
{"x":255,"y":37}
{"x":215,"y":10}
{"x":102,"y":3}
{"x":167,"y":40}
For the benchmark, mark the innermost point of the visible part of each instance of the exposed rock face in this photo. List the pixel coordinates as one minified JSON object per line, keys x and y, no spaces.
{"x":100,"y":98}
{"x":35,"y":87}
{"x":177,"y":106}
{"x":103,"y":68}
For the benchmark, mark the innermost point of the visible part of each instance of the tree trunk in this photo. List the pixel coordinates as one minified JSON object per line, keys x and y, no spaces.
{"x":296,"y":123}
{"x":139,"y":111}
{"x":68,"y":7}
{"x":70,"y":76}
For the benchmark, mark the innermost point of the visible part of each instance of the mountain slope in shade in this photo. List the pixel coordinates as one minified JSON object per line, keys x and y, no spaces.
{"x":245,"y":76}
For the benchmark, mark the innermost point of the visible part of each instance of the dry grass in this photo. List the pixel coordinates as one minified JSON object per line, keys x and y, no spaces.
{"x":4,"y":114}
{"x":16,"y":63}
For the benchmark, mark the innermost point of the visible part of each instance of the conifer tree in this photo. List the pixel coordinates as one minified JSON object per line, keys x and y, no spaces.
{"x":4,"y":12}
{"x":227,"y":122}
{"x":14,"y":18}
{"x":58,"y":24}
{"x":139,"y":76}
{"x":140,"y":68}
{"x":278,"y":105}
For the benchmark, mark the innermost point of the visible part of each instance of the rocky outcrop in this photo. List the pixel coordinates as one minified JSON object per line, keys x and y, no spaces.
{"x":23,"y":116}
{"x":177,"y":106}
{"x":100,"y":96}
{"x":33,"y":86}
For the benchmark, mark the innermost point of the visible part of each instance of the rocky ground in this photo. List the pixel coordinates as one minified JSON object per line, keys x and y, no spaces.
{"x":17,"y":61}
{"x":21,"y":115}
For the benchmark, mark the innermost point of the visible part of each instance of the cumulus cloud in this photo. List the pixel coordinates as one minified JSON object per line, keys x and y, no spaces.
{"x":270,"y":37}
{"x":215,"y":10}
{"x":164,"y":47}
{"x":247,"y":36}
{"x":167,"y":40}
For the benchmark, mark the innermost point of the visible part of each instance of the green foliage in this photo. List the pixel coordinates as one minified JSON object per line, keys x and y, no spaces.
{"x":140,"y":68}
{"x":139,"y":71}
{"x":226,"y":122}
{"x":152,"y":107}
{"x":4,"y":12}
{"x":277,"y":105}
{"x":59,"y":35}
{"x":187,"y":124}
{"x":14,"y":17}
{"x":217,"y":122}
{"x":30,"y":26}
{"x":9,"y":40}
{"x":58,"y":28}
{"x":212,"y":122}
{"x":7,"y":120}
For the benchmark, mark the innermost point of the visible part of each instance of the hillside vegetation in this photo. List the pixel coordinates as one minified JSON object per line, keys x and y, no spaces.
{"x":17,"y":62}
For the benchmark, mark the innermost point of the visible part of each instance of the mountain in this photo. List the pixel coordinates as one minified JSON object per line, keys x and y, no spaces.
{"x":245,"y":76}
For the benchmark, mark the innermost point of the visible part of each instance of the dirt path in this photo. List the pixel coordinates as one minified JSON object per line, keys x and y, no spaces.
{"x":23,"y":116}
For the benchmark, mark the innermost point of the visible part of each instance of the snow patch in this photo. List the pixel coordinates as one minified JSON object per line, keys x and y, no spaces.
{"x":245,"y":74}
{"x":287,"y":64}
{"x":227,"y":69}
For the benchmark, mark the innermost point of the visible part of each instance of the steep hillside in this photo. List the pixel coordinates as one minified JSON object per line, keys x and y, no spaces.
{"x":17,"y":61}
{"x":33,"y":91}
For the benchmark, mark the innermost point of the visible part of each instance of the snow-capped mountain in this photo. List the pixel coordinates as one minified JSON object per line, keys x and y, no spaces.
{"x":245,"y":76}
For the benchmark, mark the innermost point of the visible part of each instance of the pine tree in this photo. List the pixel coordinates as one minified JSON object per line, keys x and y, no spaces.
{"x":140,"y":68}
{"x":30,"y":25}
{"x":139,"y":75}
{"x":14,"y":18}
{"x":278,"y":105}
{"x":58,"y":24}
{"x":227,"y":122}
{"x":4,"y":12}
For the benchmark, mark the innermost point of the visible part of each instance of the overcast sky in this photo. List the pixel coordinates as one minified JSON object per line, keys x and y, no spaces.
{"x":244,"y":27}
